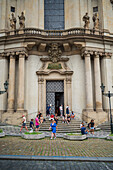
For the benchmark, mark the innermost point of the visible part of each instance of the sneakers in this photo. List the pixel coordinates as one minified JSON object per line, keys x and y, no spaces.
{"x":55,"y":138}
{"x":51,"y":138}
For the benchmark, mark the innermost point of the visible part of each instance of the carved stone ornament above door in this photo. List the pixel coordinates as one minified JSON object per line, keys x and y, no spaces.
{"x":54,"y":52}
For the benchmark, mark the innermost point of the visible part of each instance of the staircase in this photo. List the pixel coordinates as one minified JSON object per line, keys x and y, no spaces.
{"x":105,"y":126}
{"x":73,"y":127}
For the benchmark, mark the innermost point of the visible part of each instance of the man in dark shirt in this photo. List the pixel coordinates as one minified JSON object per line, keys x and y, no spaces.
{"x":31,"y":125}
{"x":83,"y":130}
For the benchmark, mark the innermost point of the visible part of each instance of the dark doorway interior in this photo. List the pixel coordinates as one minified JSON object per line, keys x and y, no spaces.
{"x":59,"y":99}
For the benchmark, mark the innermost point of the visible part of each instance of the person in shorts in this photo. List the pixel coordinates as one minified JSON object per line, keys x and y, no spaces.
{"x":23,"y":123}
{"x":92,"y":126}
{"x":37,"y":123}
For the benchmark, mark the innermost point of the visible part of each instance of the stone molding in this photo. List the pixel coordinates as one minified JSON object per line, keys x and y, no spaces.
{"x":92,"y":53}
{"x":15,"y":54}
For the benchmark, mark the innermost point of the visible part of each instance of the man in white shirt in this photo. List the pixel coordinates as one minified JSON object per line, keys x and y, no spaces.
{"x":61,"y":110}
{"x":23,"y":123}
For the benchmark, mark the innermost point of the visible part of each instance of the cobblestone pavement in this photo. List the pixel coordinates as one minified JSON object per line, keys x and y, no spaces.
{"x":53,"y":165}
{"x":59,"y":147}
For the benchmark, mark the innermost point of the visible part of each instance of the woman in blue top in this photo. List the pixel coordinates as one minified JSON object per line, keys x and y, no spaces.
{"x":53,"y":126}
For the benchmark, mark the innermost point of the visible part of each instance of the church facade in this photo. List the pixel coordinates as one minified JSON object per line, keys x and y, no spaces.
{"x":55,"y":52}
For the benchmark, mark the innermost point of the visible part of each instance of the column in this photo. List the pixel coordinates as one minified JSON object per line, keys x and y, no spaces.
{"x":40,"y":94}
{"x":107,"y":78}
{"x":69,"y":92}
{"x":20,"y":98}
{"x":88,"y":75}
{"x":11,"y":88}
{"x":98,"y":94}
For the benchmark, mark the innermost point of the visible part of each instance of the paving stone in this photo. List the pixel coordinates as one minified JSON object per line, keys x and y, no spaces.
{"x":53,"y":165}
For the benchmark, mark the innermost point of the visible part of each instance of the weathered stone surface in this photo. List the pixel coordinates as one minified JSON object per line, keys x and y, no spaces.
{"x":74,"y":137}
{"x":2,"y":134}
{"x":39,"y":136}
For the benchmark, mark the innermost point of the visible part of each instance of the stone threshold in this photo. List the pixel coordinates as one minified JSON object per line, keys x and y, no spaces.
{"x":56,"y":158}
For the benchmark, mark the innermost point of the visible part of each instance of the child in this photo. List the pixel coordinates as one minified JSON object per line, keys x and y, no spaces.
{"x":37,"y":123}
{"x":23,"y":123}
{"x":31,"y":125}
{"x":53,"y":126}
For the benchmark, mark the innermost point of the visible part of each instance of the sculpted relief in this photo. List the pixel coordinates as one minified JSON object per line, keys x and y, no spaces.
{"x":54,"y":52}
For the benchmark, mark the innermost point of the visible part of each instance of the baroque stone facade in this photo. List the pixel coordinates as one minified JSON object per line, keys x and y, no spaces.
{"x":81,"y":56}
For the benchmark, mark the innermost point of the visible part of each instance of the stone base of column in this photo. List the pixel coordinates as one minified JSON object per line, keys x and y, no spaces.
{"x":13,"y":118}
{"x":99,"y":110}
{"x":10,"y":110}
{"x":98,"y":117}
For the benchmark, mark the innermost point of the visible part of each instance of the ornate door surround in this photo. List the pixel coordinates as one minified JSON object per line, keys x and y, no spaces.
{"x":46,"y":74}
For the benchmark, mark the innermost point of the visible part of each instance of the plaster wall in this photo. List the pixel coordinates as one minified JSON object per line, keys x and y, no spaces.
{"x":31,"y":85}
{"x":77,"y":65}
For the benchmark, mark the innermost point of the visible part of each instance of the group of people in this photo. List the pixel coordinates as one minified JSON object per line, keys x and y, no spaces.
{"x":53,"y":125}
{"x":91,"y":127}
{"x":39,"y":119}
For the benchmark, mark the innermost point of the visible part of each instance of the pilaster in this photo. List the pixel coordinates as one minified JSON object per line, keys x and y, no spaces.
{"x":97,"y":76}
{"x":88,"y":76}
{"x":11,"y":90}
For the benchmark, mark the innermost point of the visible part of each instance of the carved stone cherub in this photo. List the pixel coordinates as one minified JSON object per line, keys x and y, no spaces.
{"x":22,"y":20}
{"x":86,"y":19}
{"x":95,"y":21}
{"x":12,"y":22}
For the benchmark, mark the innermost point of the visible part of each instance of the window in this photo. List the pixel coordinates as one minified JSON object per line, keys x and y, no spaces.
{"x":54,"y":14}
{"x":12,"y":9}
{"x":95,"y":9}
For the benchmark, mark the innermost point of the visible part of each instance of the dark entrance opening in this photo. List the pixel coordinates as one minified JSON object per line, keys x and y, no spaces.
{"x":55,"y":95}
{"x":59,"y":99}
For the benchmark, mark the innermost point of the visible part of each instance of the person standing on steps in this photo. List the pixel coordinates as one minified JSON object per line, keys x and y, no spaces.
{"x":23,"y":123}
{"x":37,"y":123}
{"x":61,"y":110}
{"x":67,"y":110}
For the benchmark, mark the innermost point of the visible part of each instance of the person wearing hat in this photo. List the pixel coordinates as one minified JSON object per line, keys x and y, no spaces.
{"x":23,"y":123}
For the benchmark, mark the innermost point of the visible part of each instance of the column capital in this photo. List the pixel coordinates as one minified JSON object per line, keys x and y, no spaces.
{"x":96,"y":54}
{"x":107,"y":55}
{"x":21,"y":54}
{"x":86,"y":53}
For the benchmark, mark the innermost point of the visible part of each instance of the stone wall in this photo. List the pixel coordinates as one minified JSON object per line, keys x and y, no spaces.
{"x":31,"y":85}
{"x":76,"y":63}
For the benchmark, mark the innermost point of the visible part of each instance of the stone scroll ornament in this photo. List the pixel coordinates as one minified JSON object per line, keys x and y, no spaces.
{"x":12,"y":22}
{"x":95,"y":21}
{"x":22,"y":20}
{"x":86,"y":19}
{"x":54,"y":52}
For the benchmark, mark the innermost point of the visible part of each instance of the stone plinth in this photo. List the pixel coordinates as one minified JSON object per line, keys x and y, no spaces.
{"x":37,"y":136}
{"x":110,"y":137}
{"x":13,"y":118}
{"x":2,"y":134}
{"x":74,"y":137}
{"x":98,"y":117}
